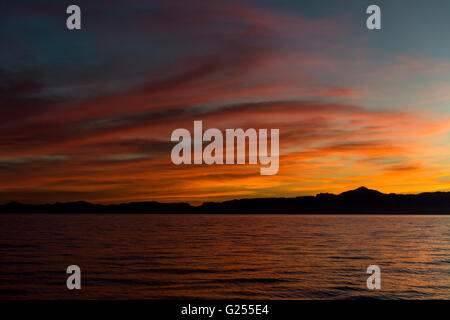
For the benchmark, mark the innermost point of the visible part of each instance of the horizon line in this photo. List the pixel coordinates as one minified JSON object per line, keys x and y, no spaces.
{"x":201,"y":203}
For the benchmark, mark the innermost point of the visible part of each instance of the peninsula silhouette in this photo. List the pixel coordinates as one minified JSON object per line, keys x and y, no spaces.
{"x":358,"y":201}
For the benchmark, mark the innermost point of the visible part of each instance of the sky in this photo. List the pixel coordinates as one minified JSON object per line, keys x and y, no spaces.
{"x":88,"y":114}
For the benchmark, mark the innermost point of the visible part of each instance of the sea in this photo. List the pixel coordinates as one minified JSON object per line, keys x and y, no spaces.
{"x":151,"y":256}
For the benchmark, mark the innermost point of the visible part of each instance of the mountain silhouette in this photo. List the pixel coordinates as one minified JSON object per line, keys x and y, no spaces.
{"x":361,"y":192}
{"x":359,"y":201}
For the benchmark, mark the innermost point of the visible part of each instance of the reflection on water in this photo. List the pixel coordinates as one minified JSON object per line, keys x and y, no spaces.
{"x":220,"y":256}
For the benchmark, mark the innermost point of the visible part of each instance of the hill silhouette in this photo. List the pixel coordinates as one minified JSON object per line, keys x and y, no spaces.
{"x":358,"y":201}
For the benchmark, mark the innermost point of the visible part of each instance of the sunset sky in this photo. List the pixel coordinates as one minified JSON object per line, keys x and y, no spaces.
{"x":88,"y":114}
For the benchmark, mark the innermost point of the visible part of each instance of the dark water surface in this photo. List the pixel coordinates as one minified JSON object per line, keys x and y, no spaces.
{"x":220,"y":256}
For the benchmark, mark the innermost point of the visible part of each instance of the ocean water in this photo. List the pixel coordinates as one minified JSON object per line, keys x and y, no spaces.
{"x":224,"y":256}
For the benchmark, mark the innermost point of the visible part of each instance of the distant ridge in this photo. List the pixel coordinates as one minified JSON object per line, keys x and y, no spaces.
{"x":359,"y":201}
{"x":361,"y":192}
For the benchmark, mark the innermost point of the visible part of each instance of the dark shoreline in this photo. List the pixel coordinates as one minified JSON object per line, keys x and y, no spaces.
{"x":361,"y":201}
